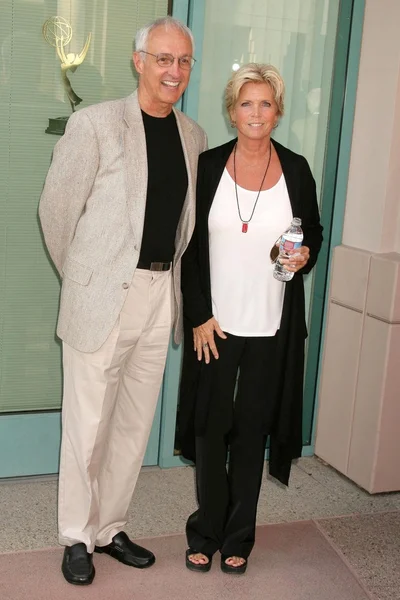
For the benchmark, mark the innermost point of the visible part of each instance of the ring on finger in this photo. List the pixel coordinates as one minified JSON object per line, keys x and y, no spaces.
{"x":205,"y":345}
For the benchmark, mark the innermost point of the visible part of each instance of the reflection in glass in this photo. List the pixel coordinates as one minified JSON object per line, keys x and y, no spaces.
{"x":31,"y":91}
{"x":296,"y":37}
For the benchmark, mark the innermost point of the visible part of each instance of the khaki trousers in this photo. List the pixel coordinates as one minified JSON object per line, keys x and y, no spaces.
{"x":109,"y":402}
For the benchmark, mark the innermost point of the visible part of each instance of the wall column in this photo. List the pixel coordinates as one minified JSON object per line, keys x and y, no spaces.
{"x":358,"y":429}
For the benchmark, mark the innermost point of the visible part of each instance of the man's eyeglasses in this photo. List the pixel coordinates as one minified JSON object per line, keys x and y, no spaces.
{"x":166,"y":60}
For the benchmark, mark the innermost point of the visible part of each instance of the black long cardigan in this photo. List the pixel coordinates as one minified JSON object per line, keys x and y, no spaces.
{"x":286,"y":428}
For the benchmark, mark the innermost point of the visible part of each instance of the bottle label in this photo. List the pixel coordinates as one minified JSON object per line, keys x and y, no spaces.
{"x":287,"y":245}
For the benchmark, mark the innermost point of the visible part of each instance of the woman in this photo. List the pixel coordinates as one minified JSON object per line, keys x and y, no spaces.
{"x":239,"y":319}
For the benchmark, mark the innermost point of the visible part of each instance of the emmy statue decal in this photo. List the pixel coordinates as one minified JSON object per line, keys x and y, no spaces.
{"x":58,"y":33}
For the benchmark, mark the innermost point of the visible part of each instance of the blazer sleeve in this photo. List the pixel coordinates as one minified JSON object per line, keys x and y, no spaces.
{"x":311,"y":225}
{"x":195,"y":306}
{"x":68,"y":185}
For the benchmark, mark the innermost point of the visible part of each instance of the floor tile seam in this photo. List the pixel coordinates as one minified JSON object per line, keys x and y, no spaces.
{"x":354,"y":515}
{"x":291,"y":522}
{"x":53,"y":477}
{"x":158,"y":535}
{"x":26,"y":550}
{"x":30,"y":479}
{"x":149,"y":537}
{"x":172,"y":534}
{"x":369,"y":594}
{"x":311,"y":518}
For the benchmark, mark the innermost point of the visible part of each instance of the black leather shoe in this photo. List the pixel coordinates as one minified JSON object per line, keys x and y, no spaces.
{"x":77,"y":565}
{"x":127,"y":552}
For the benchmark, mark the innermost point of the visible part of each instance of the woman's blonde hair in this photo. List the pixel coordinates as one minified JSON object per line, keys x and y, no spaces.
{"x":256,"y":73}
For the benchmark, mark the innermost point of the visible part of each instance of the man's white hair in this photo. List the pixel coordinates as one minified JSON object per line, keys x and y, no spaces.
{"x":142,"y":35}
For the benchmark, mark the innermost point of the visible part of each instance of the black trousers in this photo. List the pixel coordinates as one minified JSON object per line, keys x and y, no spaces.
{"x":228,"y":496}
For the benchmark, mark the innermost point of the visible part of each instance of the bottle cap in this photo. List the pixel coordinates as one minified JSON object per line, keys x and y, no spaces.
{"x":296,"y":221}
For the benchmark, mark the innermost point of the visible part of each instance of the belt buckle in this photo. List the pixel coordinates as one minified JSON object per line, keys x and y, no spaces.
{"x":157,"y":266}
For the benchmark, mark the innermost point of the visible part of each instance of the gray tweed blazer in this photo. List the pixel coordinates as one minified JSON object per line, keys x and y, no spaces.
{"x":92,"y":213}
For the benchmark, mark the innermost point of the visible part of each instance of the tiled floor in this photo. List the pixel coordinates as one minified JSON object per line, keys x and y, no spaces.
{"x":365,"y":528}
{"x":371,"y":544}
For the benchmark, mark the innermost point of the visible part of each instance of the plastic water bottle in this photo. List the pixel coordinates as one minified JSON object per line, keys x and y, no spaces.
{"x":290,"y":240}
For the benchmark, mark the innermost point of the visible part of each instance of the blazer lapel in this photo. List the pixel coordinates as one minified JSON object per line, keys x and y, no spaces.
{"x":186,"y":222}
{"x":135,"y":158}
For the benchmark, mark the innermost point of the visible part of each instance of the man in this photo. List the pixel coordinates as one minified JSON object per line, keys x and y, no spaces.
{"x":118,"y":211}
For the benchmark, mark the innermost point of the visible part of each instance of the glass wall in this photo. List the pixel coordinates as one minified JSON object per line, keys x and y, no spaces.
{"x":299,"y":38}
{"x":31,"y":93}
{"x":296,"y":36}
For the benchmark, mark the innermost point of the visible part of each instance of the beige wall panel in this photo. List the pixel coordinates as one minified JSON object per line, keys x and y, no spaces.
{"x":350,"y":276}
{"x":368,"y":403}
{"x":339,"y":380}
{"x":372,"y":226}
{"x":387,"y":469}
{"x":370,"y":206}
{"x":383,"y":299}
{"x":391,"y":222}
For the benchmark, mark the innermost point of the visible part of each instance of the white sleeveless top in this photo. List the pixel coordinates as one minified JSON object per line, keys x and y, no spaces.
{"x":246,"y":299}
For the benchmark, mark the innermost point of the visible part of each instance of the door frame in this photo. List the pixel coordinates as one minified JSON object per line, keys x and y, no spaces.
{"x":20,"y":433}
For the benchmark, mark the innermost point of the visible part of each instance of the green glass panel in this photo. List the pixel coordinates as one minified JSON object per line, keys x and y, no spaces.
{"x":31,"y":92}
{"x":300,"y":39}
{"x":337,"y":157}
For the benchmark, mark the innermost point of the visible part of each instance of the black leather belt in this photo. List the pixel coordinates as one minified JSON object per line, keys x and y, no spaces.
{"x":153,"y":266}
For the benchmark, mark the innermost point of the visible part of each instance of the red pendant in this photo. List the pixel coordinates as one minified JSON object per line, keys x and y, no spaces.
{"x":245,"y":227}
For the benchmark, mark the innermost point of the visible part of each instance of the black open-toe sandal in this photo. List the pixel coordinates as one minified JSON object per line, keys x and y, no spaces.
{"x":229,"y":568}
{"x":199,"y":568}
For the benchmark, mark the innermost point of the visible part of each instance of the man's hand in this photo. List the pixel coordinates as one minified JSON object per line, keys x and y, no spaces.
{"x":203,"y":339}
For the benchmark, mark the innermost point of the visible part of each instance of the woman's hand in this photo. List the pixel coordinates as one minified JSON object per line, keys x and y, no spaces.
{"x":203,"y":339}
{"x":297,"y":259}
